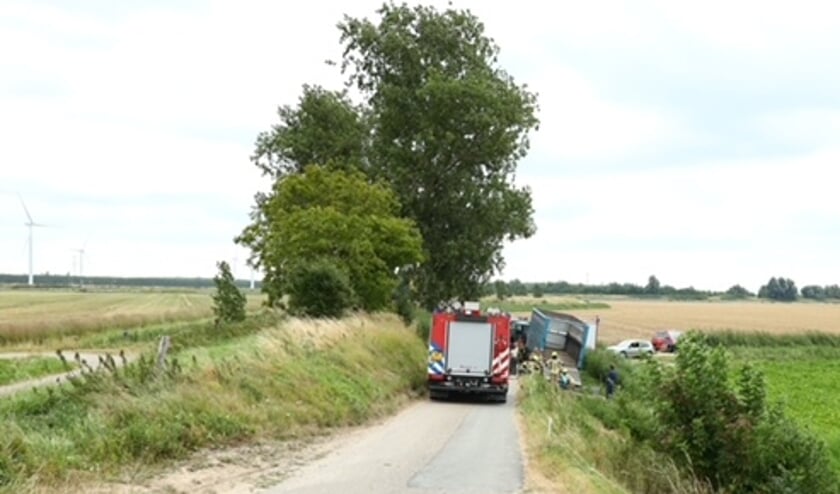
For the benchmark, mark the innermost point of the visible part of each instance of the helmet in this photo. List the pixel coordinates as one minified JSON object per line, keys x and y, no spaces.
{"x":554,"y":355}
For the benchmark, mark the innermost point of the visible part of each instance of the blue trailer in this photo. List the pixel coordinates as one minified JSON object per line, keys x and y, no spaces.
{"x":565,"y":334}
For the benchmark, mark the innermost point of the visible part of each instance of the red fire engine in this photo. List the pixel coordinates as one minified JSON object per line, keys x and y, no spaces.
{"x":469,"y":352}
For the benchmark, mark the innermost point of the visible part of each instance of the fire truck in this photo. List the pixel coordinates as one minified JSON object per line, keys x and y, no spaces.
{"x":469,"y":352}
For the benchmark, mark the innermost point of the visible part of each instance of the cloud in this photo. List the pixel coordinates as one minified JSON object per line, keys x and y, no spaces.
{"x":696,"y":142}
{"x":815,"y":127}
{"x":577,"y":124}
{"x":709,"y":226}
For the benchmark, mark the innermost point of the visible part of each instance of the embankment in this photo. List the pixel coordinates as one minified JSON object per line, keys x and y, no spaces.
{"x":297,"y":378}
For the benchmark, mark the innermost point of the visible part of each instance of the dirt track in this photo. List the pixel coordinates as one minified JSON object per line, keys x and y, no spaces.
{"x":90,"y":357}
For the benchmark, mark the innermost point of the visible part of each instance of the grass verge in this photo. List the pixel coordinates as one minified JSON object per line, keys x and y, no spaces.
{"x":286,"y":381}
{"x":573,"y":450}
{"x":647,"y":440}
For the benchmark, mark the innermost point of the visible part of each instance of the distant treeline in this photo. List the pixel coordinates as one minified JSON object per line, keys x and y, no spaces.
{"x":504,"y":289}
{"x":777,"y":288}
{"x":57,"y":281}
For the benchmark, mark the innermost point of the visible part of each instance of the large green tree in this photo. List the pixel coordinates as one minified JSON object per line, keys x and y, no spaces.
{"x":338,"y":217}
{"x":439,"y":122}
{"x":448,"y":128}
{"x":325,"y":128}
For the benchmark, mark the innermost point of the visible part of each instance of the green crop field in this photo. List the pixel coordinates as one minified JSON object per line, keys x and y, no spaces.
{"x":804,"y":379}
{"x":31,"y":314}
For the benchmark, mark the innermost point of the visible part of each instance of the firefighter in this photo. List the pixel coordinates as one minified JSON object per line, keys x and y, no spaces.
{"x":565,"y":380}
{"x":554,"y":367}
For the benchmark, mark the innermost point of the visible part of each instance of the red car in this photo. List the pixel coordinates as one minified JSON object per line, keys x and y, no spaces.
{"x":666,"y":341}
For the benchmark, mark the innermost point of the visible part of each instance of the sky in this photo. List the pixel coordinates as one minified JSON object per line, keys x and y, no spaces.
{"x":696,"y":142}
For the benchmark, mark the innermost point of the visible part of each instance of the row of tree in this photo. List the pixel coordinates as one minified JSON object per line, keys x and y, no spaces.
{"x":783,"y":289}
{"x":407,"y":192}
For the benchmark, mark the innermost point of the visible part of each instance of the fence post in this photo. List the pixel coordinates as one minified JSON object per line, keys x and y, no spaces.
{"x":163,"y":348}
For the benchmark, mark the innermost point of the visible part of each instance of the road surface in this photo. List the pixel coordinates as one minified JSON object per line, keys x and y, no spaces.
{"x":431,"y":447}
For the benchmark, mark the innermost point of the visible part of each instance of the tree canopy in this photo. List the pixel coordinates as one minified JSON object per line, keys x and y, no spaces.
{"x":448,"y":129}
{"x":780,"y":288}
{"x":438,"y":122}
{"x":336,"y":216}
{"x":325,"y":128}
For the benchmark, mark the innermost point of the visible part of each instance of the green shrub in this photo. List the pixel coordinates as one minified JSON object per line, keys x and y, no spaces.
{"x":403,"y":304}
{"x":726,"y":433}
{"x":597,"y":364}
{"x":424,"y":324}
{"x":319,"y":289}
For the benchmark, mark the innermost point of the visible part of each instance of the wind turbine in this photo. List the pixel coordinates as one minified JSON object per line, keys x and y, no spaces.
{"x":81,"y":264}
{"x":29,"y":224}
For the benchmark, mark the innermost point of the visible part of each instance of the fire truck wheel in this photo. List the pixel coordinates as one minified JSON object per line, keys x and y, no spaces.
{"x":438,"y":395}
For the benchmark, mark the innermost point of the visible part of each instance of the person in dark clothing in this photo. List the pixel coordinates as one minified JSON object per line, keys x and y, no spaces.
{"x":613,"y":381}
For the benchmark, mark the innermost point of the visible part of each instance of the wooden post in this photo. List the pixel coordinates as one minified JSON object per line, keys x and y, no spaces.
{"x":163,"y":348}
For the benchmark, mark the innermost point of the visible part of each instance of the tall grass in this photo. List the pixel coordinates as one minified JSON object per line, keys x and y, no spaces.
{"x":731,"y":338}
{"x":578,"y":454}
{"x":282,"y":382}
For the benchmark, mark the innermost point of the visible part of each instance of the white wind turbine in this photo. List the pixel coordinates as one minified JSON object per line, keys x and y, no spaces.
{"x":29,"y":224}
{"x":81,"y":252}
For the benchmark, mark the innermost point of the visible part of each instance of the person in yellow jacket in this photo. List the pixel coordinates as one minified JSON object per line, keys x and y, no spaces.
{"x":565,"y":380}
{"x":555,"y":366}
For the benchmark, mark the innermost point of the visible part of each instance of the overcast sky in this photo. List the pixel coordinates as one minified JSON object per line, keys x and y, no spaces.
{"x":695,"y":142}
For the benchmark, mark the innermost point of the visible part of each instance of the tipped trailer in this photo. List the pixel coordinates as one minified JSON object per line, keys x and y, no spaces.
{"x":469,"y":353}
{"x":569,"y":336}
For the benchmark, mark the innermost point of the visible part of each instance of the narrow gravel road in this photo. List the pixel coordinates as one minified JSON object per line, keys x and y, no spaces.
{"x":431,"y":447}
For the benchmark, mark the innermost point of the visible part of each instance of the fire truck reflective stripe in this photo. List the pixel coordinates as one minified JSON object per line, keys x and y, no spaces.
{"x":435,"y":368}
{"x":436,"y":359}
{"x":501,"y":363}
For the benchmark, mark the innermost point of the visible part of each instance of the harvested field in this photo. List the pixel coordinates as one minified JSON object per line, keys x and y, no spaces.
{"x":640,"y":318}
{"x":31,"y":314}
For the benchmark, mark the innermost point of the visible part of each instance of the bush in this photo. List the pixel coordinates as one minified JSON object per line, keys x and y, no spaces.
{"x":598,"y":361}
{"x":319,"y":289}
{"x":424,"y":324}
{"x":726,"y":433}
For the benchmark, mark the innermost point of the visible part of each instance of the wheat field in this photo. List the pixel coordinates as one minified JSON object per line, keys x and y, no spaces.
{"x":641,"y":318}
{"x":25,"y":314}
